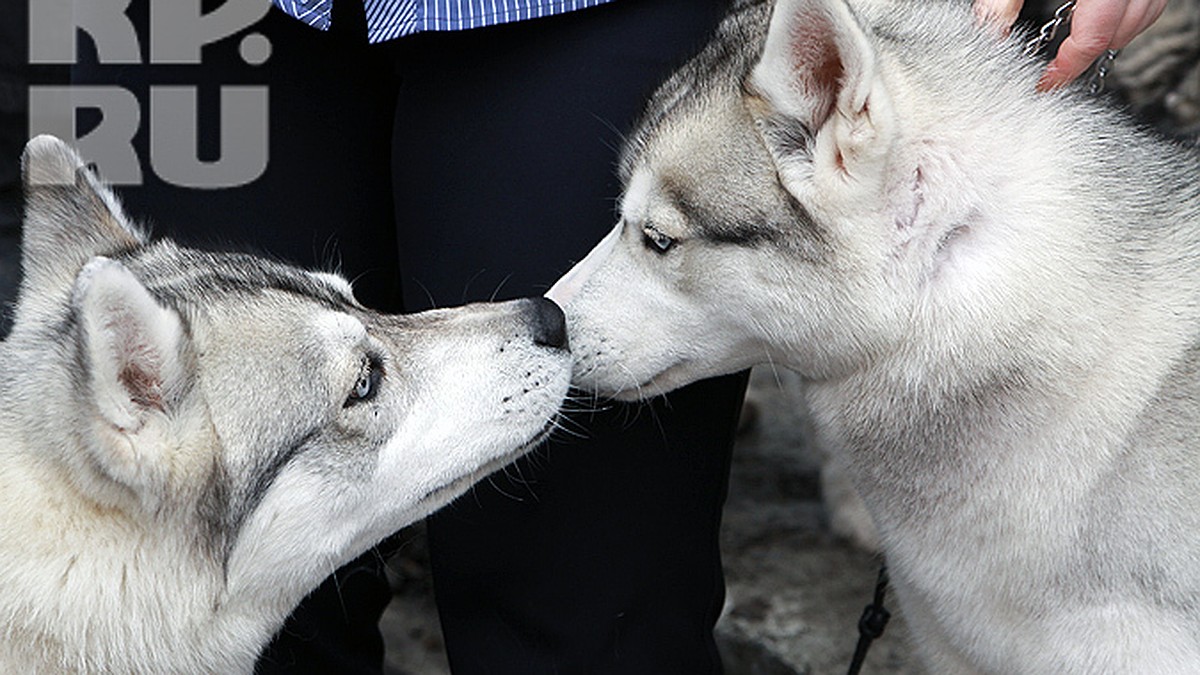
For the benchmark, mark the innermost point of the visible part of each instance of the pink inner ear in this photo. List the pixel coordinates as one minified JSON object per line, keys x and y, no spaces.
{"x":140,"y":366}
{"x":816,"y":63}
{"x":144,"y":387}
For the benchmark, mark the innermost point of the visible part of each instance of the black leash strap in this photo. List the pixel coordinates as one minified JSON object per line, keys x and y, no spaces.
{"x":870,"y":626}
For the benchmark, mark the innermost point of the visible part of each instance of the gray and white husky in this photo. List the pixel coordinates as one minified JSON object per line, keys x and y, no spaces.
{"x":993,"y":295}
{"x":190,"y":442}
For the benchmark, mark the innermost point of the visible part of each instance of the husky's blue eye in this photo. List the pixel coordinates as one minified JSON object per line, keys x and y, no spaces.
{"x":367,"y":384}
{"x":656,"y":240}
{"x":362,"y":388}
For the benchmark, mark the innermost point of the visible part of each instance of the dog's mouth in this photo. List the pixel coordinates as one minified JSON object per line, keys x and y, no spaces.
{"x":666,"y":380}
{"x":459,"y":485}
{"x":537,"y":439}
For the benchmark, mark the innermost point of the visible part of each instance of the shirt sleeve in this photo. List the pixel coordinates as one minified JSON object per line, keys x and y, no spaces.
{"x":315,"y":13}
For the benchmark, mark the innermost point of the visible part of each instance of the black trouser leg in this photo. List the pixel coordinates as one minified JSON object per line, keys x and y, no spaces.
{"x":597,"y":554}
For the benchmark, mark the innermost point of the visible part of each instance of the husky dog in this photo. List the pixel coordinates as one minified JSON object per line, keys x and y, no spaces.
{"x":190,"y":442}
{"x":992,"y":294}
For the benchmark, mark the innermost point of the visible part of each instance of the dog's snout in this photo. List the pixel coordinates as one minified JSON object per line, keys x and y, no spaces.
{"x":549,"y":324}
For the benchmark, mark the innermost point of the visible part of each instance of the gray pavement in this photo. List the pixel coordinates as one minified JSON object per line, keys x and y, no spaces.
{"x":795,"y":592}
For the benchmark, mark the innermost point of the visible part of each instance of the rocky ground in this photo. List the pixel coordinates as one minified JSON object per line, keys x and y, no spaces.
{"x":795,"y":592}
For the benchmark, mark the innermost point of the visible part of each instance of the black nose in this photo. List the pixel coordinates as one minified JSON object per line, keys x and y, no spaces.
{"x":549,"y":324}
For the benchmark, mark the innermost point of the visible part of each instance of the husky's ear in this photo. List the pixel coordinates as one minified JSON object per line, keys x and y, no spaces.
{"x":134,"y":351}
{"x":70,"y":217}
{"x":818,"y":69}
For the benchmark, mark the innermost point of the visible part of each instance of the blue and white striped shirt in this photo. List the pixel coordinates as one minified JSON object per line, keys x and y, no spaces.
{"x":390,"y":19}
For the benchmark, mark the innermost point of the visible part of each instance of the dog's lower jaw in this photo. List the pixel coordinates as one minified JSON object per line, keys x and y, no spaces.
{"x":440,"y":496}
{"x":619,"y":387}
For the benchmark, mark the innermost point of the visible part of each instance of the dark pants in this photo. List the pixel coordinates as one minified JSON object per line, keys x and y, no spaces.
{"x":464,"y":167}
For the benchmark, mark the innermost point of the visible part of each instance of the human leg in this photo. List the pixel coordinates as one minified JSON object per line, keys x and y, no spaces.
{"x":596,"y":554}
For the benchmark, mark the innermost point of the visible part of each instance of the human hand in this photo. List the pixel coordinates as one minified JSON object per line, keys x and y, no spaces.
{"x":1097,"y":25}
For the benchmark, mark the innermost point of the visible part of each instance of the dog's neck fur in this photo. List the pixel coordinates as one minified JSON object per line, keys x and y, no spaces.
{"x":952,"y":404}
{"x":66,"y":611}
{"x":951,"y":359}
{"x":950,"y":434}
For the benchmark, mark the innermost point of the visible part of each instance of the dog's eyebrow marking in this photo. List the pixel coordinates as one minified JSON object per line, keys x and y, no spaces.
{"x":340,"y":327}
{"x":711,"y":227}
{"x":290,"y":281}
{"x":336,"y":283}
